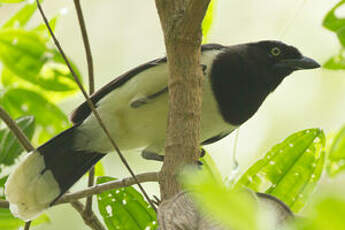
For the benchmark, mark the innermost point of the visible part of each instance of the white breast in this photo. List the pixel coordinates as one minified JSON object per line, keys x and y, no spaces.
{"x":145,"y":127}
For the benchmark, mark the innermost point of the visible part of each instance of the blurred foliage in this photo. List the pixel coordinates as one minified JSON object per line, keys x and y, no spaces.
{"x":125,"y":208}
{"x":235,"y":209}
{"x":10,"y":148}
{"x":210,"y":166}
{"x":290,"y":170}
{"x":34,"y":75}
{"x":336,"y":154}
{"x":326,"y":213}
{"x":11,"y":1}
{"x":208,"y":20}
{"x":34,"y":78}
{"x":336,"y":25}
{"x":8,"y":222}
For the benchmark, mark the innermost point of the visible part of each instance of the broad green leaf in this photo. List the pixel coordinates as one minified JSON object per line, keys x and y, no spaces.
{"x":21,"y":18}
{"x":336,"y":62}
{"x":234,"y":209}
{"x":8,"y":222}
{"x":25,"y":54}
{"x":50,"y":120}
{"x":336,"y":155}
{"x":209,"y":165}
{"x":125,"y":208}
{"x":290,"y":170}
{"x":11,"y":1}
{"x":331,"y":21}
{"x":10,"y":148}
{"x":208,"y":20}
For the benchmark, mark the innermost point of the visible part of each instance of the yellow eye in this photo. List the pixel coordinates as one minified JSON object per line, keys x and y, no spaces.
{"x":275,"y":51}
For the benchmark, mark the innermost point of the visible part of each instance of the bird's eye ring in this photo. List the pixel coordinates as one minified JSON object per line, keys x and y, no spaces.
{"x":275,"y":51}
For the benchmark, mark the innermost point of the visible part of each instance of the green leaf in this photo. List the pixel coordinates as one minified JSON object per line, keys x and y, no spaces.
{"x":331,"y":21}
{"x":50,"y":120}
{"x":336,"y":155}
{"x":290,"y":170}
{"x":11,"y":1}
{"x":8,"y":222}
{"x":210,"y":166}
{"x":335,"y":24}
{"x":234,"y":209}
{"x":10,"y":148}
{"x":21,"y":18}
{"x":42,"y":28}
{"x":25,"y":55}
{"x":208,"y":20}
{"x":10,"y":80}
{"x":22,"y":52}
{"x":336,"y":62}
{"x":2,"y":186}
{"x":125,"y":208}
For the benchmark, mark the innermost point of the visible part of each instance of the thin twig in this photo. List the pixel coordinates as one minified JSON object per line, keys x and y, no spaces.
{"x":27,"y":225}
{"x":89,"y":59}
{"x":90,"y":220}
{"x":24,"y":141}
{"x":92,"y":107}
{"x":96,"y":189}
{"x":86,"y":42}
{"x":4,"y":204}
{"x":90,"y":183}
{"x":125,"y":182}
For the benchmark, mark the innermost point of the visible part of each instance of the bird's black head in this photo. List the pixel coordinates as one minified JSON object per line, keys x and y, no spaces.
{"x":277,"y":60}
{"x":243,"y":75}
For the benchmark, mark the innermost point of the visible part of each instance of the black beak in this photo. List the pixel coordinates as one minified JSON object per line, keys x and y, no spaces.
{"x":298,"y":63}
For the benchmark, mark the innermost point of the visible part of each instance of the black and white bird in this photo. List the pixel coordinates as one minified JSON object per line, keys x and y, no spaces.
{"x":134,"y":107}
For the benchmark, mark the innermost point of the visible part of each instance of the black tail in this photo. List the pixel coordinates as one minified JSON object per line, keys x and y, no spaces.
{"x":66,"y":164}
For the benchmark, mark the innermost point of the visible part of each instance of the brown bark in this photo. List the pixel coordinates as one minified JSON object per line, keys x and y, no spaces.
{"x":181,"y":23}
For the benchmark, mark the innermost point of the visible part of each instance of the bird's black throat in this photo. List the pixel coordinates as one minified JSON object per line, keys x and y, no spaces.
{"x":240,"y":84}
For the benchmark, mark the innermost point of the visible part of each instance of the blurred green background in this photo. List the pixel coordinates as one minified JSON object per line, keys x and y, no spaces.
{"x":124,"y":34}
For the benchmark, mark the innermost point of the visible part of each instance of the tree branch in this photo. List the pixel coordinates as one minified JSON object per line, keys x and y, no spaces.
{"x":181,"y":23}
{"x":91,"y":105}
{"x":91,"y":219}
{"x":89,"y":59}
{"x":96,"y":189}
{"x":11,"y":124}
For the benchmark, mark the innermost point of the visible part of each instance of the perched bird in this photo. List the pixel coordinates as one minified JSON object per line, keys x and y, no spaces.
{"x":134,"y":107}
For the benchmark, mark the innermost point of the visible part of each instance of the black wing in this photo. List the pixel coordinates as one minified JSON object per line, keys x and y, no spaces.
{"x":83,"y":111}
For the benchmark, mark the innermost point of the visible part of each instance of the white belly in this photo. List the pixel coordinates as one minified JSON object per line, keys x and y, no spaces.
{"x":145,"y":126}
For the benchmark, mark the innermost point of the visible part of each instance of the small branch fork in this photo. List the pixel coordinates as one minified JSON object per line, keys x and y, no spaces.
{"x":91,"y":105}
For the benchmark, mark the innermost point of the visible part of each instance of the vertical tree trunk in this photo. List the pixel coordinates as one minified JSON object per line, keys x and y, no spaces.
{"x":181,"y":23}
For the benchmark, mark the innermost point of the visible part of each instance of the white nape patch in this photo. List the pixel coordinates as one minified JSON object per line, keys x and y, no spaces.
{"x":29,"y":192}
